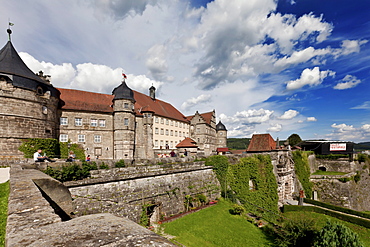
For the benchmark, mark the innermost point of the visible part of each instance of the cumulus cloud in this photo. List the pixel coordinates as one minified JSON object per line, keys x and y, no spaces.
{"x":195,"y":101}
{"x":349,"y":46}
{"x":349,"y":81}
{"x":289,"y":115}
{"x":349,"y":132}
{"x":311,"y":119}
{"x":88,"y":76}
{"x":275,"y":128}
{"x":249,"y":117}
{"x":311,"y":77}
{"x":156,"y":62}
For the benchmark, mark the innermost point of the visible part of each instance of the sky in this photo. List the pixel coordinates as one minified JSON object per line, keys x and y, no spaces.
{"x":264,"y":66}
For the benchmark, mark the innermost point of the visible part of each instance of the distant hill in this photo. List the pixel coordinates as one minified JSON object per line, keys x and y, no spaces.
{"x":238,"y":143}
{"x":362,"y":146}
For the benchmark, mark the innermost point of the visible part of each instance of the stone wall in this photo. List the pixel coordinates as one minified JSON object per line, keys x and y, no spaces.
{"x":124,"y":191}
{"x":32,"y":219}
{"x":24,"y":114}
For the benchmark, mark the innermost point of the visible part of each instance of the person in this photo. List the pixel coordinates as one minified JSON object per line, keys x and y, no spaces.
{"x":88,"y":157}
{"x":173,"y":154}
{"x":185,"y":153}
{"x":71,"y":156}
{"x":37,"y":157}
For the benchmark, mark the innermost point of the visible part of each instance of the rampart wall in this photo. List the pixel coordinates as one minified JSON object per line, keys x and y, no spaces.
{"x":124,"y":191}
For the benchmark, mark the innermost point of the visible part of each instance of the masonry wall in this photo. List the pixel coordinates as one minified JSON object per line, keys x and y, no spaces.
{"x":24,"y":114}
{"x":124,"y":191}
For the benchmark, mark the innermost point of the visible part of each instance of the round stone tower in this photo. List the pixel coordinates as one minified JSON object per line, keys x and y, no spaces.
{"x":124,"y":124}
{"x":28,"y":104}
{"x":221,"y":135}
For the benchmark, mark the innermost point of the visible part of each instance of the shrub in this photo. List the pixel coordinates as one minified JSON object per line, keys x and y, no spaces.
{"x":334,"y":234}
{"x":201,"y":198}
{"x":120,"y":163}
{"x":302,"y":170}
{"x":357,"y":177}
{"x":49,"y":146}
{"x":237,"y":209}
{"x":103,"y":166}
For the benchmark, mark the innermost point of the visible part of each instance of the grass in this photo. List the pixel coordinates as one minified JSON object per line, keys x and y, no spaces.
{"x":4,"y":192}
{"x":320,"y":220}
{"x":328,"y":173}
{"x":215,"y":226}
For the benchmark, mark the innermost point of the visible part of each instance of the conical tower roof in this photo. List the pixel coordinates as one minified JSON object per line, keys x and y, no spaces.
{"x":17,"y":72}
{"x":220,"y":126}
{"x":123,"y":92}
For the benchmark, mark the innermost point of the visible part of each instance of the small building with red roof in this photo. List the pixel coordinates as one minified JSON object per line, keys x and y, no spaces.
{"x":261,"y":143}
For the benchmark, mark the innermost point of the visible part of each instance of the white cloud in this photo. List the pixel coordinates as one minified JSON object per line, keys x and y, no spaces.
{"x":349,"y":81}
{"x":196,"y":101}
{"x":275,"y":128}
{"x":365,"y":106}
{"x":350,"y":46}
{"x":289,"y":115}
{"x":348,"y":132}
{"x":309,"y":77}
{"x":311,"y":119}
{"x":156,"y":62}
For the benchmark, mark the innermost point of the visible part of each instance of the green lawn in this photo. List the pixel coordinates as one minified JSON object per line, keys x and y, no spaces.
{"x":320,"y":220}
{"x":4,"y":192}
{"x":215,"y":226}
{"x":328,"y":173}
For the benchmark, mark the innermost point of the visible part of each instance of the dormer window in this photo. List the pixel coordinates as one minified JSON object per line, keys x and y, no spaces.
{"x":39,"y":91}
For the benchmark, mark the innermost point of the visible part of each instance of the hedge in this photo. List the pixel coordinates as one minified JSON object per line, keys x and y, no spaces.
{"x":344,"y":217}
{"x":337,"y":208}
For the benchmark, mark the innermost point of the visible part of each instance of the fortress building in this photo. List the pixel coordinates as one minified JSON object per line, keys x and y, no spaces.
{"x":124,"y":125}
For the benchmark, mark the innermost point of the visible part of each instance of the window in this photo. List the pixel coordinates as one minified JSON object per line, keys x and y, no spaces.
{"x":166,"y":121}
{"x":97,"y":138}
{"x":162,"y":120}
{"x":171,"y":133}
{"x":171,"y":123}
{"x":81,"y":138}
{"x":181,"y":125}
{"x":166,"y":132}
{"x":78,"y":121}
{"x":63,"y":121}
{"x":101,"y":122}
{"x":125,"y":105}
{"x":162,"y":132}
{"x":176,"y":124}
{"x":94,"y":123}
{"x":175,"y":132}
{"x":156,"y":143}
{"x":198,"y":130}
{"x":125,"y":121}
{"x":161,"y":143}
{"x":180,"y":133}
{"x":63,"y":138}
{"x":157,"y":119}
{"x":171,"y":144}
{"x":157,"y":131}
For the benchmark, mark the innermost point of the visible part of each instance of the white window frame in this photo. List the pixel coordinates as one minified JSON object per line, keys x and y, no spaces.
{"x":156,"y":131}
{"x":63,"y":121}
{"x":63,"y":138}
{"x":78,"y":121}
{"x":101,"y":122}
{"x":81,"y":138}
{"x":97,"y":138}
{"x":94,"y":122}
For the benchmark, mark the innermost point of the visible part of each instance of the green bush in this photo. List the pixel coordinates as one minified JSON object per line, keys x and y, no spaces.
{"x":49,"y":146}
{"x":334,"y":234}
{"x":201,"y":198}
{"x":237,"y":209}
{"x":345,"y":179}
{"x":103,"y":166}
{"x":120,"y":163}
{"x":331,"y":156}
{"x":302,"y":170}
{"x":71,"y":172}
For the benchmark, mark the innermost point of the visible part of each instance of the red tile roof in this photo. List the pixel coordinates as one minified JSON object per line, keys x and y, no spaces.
{"x":206,"y":116}
{"x":187,"y":143}
{"x":261,"y":142}
{"x":87,"y":101}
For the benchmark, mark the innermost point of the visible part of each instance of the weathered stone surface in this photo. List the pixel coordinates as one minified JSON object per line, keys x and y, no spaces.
{"x":33,"y":222}
{"x":92,"y":230}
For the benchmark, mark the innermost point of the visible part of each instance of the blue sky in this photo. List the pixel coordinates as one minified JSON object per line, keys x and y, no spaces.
{"x":265,"y":66}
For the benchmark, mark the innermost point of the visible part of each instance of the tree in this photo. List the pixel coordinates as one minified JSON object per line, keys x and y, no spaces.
{"x":294,"y":139}
{"x":336,"y":235}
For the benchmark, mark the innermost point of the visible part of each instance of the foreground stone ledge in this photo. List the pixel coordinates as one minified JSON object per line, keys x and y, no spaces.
{"x":33,"y":222}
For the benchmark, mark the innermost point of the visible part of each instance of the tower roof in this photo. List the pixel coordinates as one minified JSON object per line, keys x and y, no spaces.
{"x":123,"y":92}
{"x":220,"y":126}
{"x":17,"y":72}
